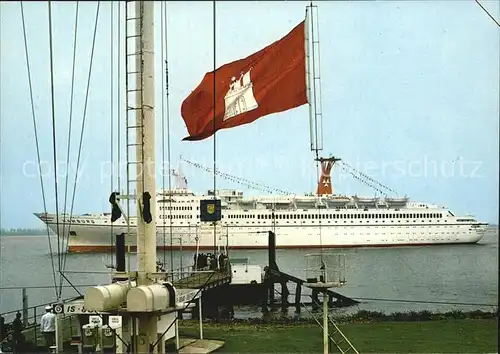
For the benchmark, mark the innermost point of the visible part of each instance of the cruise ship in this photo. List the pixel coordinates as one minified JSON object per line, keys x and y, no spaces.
{"x":324,"y":220}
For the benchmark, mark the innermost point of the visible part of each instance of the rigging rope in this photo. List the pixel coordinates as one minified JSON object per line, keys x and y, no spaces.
{"x":162,"y":45}
{"x":182,"y":310}
{"x":54,"y":146}
{"x":496,"y":22}
{"x":169,"y":150}
{"x":75,"y":32}
{"x":318,"y":210}
{"x":33,"y":115}
{"x":83,"y":123}
{"x":404,"y":301}
{"x":118,"y":96}
{"x":214,"y":127}
{"x":346,"y":169}
{"x":318,"y":134}
{"x":166,"y":114}
{"x":347,"y":166}
{"x":141,"y":111}
{"x":120,"y":110}
{"x":111,"y":113}
{"x":271,"y":190}
{"x":243,"y":181}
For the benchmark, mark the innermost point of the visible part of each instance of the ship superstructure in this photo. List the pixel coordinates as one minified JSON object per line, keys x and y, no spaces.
{"x":299,"y":221}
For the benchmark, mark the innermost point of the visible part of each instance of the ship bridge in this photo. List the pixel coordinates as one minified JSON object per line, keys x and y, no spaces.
{"x":175,"y":192}
{"x":420,"y":205}
{"x":229,"y":195}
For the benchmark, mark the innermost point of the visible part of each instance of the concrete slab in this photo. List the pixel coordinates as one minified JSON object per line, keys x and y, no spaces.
{"x":201,"y":346}
{"x":185,"y":341}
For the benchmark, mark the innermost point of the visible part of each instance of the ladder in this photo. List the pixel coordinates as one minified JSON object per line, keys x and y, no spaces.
{"x":340,"y":340}
{"x":133,"y":98}
{"x":337,"y":337}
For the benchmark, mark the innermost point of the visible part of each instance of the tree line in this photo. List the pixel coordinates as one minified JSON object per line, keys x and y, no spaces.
{"x":23,"y":231}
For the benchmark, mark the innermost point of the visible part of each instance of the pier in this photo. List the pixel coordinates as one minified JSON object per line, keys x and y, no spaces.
{"x":264,"y":293}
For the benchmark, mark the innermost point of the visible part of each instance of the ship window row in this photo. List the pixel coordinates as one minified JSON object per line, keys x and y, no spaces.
{"x":340,"y":216}
{"x":163,"y":216}
{"x":77,"y":221}
{"x":177,"y":208}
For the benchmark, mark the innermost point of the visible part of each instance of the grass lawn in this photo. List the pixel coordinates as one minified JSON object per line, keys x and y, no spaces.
{"x":441,"y":336}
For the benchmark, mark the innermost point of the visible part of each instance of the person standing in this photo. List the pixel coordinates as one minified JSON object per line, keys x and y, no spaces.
{"x":3,"y":328}
{"x":17,"y":328}
{"x":48,"y":326}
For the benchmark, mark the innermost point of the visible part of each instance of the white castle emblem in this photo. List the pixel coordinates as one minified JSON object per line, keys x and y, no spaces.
{"x":239,"y":98}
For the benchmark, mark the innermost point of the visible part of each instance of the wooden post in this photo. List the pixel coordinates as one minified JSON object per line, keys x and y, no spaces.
{"x":298,"y":297}
{"x":25,"y":307}
{"x":34,"y":322}
{"x":200,"y":317}
{"x":284,"y":295}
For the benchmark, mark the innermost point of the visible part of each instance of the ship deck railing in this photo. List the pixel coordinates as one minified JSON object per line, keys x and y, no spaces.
{"x":202,"y":278}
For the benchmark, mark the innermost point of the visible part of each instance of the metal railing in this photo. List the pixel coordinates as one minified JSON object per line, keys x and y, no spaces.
{"x":187,"y":277}
{"x":185,"y":272}
{"x":31,"y":314}
{"x":31,"y":322}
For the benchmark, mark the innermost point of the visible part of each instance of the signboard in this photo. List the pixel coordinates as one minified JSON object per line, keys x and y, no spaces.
{"x":75,"y":308}
{"x":95,"y":320}
{"x":115,"y":321}
{"x":58,"y":308}
{"x":184,"y":297}
{"x":210,"y":210}
{"x":165,"y":322}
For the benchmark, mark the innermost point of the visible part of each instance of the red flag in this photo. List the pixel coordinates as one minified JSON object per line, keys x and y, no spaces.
{"x":269,"y":81}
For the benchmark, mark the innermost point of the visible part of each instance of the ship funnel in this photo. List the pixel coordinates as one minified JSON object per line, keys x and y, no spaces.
{"x":325,"y":181}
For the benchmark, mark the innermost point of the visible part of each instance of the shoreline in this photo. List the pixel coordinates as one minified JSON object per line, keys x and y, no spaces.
{"x":362,"y":316}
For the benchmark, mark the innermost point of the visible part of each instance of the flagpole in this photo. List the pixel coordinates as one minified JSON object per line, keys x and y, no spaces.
{"x":308,"y":75}
{"x":315,"y":135}
{"x":316,"y":147}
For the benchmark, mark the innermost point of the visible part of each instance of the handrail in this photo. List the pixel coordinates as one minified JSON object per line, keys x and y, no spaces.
{"x":37,"y":311}
{"x":35,"y":314}
{"x":179,"y":273}
{"x":196,"y":278}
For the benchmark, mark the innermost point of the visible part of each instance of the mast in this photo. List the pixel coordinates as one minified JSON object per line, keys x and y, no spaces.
{"x":140,"y":122}
{"x":313,"y":81}
{"x":145,"y":149}
{"x":145,"y":162}
{"x":150,"y":295}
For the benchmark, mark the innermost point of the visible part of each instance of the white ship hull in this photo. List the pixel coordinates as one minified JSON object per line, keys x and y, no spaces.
{"x":298,"y":221}
{"x":96,"y":238}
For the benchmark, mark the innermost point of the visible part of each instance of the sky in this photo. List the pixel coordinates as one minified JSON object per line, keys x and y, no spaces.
{"x":410,"y":96}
